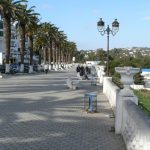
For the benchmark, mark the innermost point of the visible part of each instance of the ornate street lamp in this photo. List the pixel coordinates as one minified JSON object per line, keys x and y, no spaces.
{"x":113,"y":31}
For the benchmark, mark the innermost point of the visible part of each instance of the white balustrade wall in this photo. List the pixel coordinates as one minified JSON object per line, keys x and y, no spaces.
{"x":134,"y":125}
{"x":111,"y":91}
{"x":100,"y":73}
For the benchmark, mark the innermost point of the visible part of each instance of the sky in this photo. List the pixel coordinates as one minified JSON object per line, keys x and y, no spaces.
{"x":78,"y":19}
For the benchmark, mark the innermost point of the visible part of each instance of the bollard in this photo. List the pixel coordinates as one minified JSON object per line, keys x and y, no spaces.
{"x":90,"y":102}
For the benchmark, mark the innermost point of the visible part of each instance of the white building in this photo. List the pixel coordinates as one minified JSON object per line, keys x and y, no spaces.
{"x":90,"y":63}
{"x":14,"y":45}
{"x":1,"y":42}
{"x":15,"y":48}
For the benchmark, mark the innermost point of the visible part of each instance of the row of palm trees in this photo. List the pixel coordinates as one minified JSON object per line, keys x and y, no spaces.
{"x":45,"y":38}
{"x":54,"y":45}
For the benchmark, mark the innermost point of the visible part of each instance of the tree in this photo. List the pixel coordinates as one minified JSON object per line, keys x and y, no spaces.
{"x":62,"y":40}
{"x":127,"y":61}
{"x":79,"y":57}
{"x":31,"y":28}
{"x":40,"y":41}
{"x":23,"y":18}
{"x":45,"y":39}
{"x":138,"y":79}
{"x":52,"y":43}
{"x":71,"y":48}
{"x":101,"y":55}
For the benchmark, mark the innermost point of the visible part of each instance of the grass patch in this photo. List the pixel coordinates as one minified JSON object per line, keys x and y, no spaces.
{"x":144,"y":100}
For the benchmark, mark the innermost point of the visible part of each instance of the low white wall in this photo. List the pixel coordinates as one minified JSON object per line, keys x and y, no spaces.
{"x":137,"y":87}
{"x":111,"y":91}
{"x":147,"y":83}
{"x":135,"y":127}
{"x":130,"y":121}
{"x":141,"y":87}
{"x":100,"y":73}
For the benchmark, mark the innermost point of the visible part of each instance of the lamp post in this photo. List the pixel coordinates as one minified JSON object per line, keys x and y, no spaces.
{"x":113,"y":31}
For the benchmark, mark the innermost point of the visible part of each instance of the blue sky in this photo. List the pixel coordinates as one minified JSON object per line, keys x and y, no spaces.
{"x":78,"y":19}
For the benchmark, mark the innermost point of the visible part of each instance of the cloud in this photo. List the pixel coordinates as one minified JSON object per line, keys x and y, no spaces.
{"x":43,"y":7}
{"x":46,"y":6}
{"x":146,"y":18}
{"x":95,"y":11}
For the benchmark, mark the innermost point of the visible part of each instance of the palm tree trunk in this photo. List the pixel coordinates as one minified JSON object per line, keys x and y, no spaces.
{"x":22,"y":45}
{"x":67,"y":58}
{"x":31,"y":49}
{"x":49,"y":57}
{"x":40,"y":55}
{"x":7,"y":39}
{"x":44,"y":51}
{"x":53,"y":51}
{"x":59,"y":54}
{"x":31,"y":53}
{"x":62,"y":57}
{"x":50,"y":54}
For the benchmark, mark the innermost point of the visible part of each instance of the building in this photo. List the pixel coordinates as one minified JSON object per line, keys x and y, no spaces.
{"x":1,"y":42}
{"x":14,"y":53}
{"x":90,"y":63}
{"x":15,"y":48}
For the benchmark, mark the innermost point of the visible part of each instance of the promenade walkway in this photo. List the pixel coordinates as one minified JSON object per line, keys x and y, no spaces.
{"x":38,"y":112}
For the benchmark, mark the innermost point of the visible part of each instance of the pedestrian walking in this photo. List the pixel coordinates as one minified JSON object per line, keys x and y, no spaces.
{"x":78,"y":69}
{"x":46,"y":68}
{"x":82,"y":71}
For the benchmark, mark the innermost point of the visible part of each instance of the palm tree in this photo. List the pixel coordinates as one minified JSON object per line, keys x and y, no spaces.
{"x":38,"y":43}
{"x":71,"y":48}
{"x":53,"y":44}
{"x":50,"y":34}
{"x":41,"y":41}
{"x":31,"y":28}
{"x":8,"y":10}
{"x":23,"y":20}
{"x":62,"y":42}
{"x":45,"y":33}
{"x":59,"y":39}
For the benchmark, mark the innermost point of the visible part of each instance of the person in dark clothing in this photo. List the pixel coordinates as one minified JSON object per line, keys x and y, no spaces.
{"x":86,"y":73}
{"x":78,"y":69}
{"x":86,"y":77}
{"x":87,"y":69}
{"x":46,"y":68}
{"x":82,"y":71}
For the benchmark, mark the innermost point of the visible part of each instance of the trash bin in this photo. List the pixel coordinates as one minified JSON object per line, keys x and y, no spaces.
{"x":90,"y":102}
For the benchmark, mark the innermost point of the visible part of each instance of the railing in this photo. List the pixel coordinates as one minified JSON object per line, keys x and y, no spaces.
{"x":111,"y":91}
{"x":136,"y":127}
{"x":130,"y":121}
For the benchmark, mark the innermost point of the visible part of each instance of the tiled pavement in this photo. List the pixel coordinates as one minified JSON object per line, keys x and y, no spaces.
{"x":38,"y":112}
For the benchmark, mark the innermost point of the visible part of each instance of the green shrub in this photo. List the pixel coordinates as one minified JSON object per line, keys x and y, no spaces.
{"x":116,"y":79}
{"x":144,"y":100}
{"x":138,"y":79}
